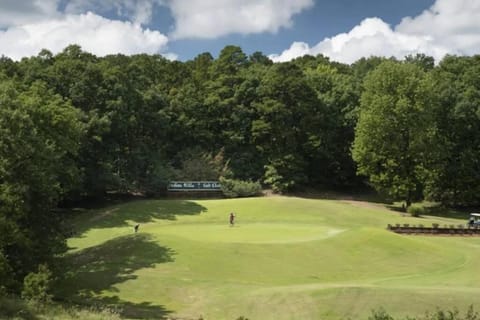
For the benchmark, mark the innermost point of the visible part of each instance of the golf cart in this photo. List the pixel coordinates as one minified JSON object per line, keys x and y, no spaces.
{"x":474,"y":220}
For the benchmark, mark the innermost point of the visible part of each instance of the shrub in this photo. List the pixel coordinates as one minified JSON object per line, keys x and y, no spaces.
{"x":454,"y":314}
{"x":237,"y":188}
{"x":197,"y":165}
{"x":36,"y":285}
{"x":157,"y":178}
{"x":439,"y":314}
{"x":435,"y":225}
{"x":285,"y":173}
{"x":5,"y":274}
{"x":14,"y":308}
{"x":380,"y":314}
{"x":416,"y":210}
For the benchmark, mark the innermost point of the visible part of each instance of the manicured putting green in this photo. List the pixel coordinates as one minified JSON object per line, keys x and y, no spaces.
{"x":285,"y":258}
{"x":250,"y":232}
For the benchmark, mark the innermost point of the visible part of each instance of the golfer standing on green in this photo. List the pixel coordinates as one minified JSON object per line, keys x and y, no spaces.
{"x":232,"y":219}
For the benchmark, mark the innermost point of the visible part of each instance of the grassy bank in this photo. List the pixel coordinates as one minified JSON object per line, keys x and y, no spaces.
{"x":286,"y":258}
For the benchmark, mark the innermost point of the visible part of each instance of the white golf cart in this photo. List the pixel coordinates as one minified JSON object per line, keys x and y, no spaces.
{"x":474,"y":220}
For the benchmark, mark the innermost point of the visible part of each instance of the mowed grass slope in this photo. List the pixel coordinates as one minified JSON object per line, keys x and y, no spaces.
{"x":286,"y":258}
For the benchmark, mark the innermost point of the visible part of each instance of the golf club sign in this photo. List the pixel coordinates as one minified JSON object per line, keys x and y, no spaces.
{"x":194,"y":186}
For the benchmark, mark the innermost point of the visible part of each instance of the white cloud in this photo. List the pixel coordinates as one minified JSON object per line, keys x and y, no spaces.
{"x":14,"y":12}
{"x":447,"y":27}
{"x":138,"y":11}
{"x":452,"y":24}
{"x":93,"y":33}
{"x":215,"y":18}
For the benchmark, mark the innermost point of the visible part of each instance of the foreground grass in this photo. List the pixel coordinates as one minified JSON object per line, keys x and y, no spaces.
{"x":286,"y":258}
{"x":14,"y":308}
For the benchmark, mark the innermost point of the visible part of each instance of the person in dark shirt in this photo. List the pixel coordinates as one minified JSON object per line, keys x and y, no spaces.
{"x":232,"y":219}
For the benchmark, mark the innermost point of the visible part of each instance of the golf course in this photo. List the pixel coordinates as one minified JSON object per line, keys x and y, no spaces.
{"x":285,"y":258}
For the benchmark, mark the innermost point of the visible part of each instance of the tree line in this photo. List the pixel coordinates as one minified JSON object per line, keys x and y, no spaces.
{"x":73,"y":125}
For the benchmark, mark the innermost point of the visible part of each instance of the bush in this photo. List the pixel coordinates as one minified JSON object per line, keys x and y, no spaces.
{"x":416,"y":210}
{"x":14,"y":308}
{"x":5,"y":274}
{"x":285,"y":174}
{"x":454,"y":314}
{"x":199,"y":166}
{"x":36,"y":285}
{"x":158,"y":176}
{"x":380,"y":314}
{"x":237,"y":188}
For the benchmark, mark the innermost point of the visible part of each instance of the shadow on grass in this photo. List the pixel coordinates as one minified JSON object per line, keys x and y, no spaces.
{"x":367,"y":196}
{"x":11,"y":308}
{"x":91,"y":271}
{"x":397,"y":208}
{"x":437,"y":210}
{"x":137,"y":211}
{"x":442,"y":212}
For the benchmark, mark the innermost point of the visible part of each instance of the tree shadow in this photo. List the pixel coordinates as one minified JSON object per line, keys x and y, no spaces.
{"x":91,"y":271}
{"x":123,"y":214}
{"x":11,"y":308}
{"x":396,"y":208}
{"x":438,"y":210}
{"x":348,"y":195}
{"x":452,"y":213}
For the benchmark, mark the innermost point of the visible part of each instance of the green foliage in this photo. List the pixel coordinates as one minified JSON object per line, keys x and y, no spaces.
{"x":141,"y":113}
{"x":39,"y":142}
{"x":199,"y":166}
{"x":453,"y":175}
{"x":37,"y":285}
{"x":14,"y":308}
{"x":416,"y":210}
{"x":74,"y":125}
{"x":233,"y":188}
{"x":285,"y":174}
{"x":391,"y":134}
{"x":380,"y":314}
{"x":439,"y":314}
{"x":5,"y":271}
{"x":158,"y":177}
{"x":329,"y":145}
{"x":289,"y":124}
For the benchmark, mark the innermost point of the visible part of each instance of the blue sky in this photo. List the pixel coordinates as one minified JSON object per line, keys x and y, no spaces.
{"x":344,"y":30}
{"x":326,"y":18}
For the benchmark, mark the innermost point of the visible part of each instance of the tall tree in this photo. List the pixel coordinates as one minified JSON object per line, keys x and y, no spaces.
{"x":288,"y":118}
{"x":454,"y":168}
{"x":335,"y":89}
{"x":390,"y":137}
{"x":39,"y":141}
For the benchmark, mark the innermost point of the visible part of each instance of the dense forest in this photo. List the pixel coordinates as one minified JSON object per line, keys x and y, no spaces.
{"x":73,"y":126}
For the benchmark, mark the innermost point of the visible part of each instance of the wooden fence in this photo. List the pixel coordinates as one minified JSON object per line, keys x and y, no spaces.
{"x":435,"y":229}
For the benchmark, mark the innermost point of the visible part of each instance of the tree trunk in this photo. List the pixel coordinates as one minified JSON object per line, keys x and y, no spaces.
{"x":408,"y":200}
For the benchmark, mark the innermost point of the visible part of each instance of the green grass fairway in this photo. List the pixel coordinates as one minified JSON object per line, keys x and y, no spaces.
{"x":286,"y":258}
